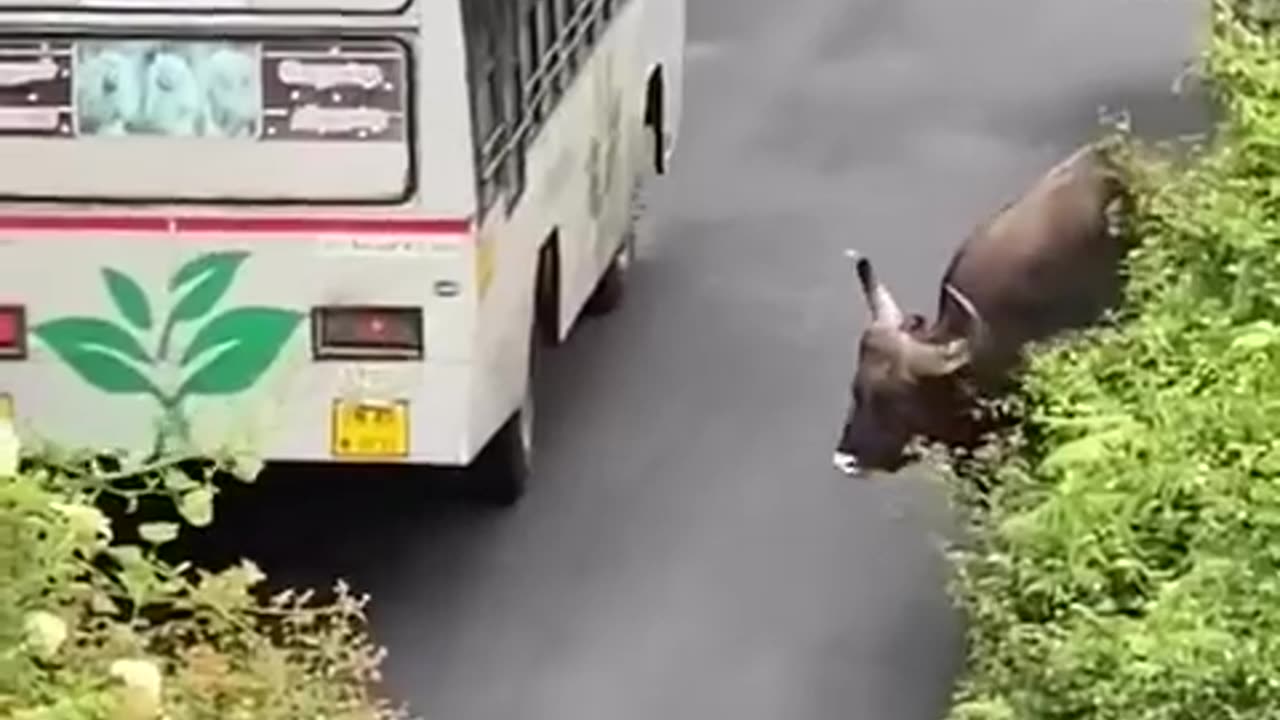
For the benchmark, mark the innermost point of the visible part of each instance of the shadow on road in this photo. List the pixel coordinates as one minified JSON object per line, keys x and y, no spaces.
{"x":378,"y":529}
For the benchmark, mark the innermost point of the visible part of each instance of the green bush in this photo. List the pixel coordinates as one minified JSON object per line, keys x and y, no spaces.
{"x":95,"y":629}
{"x":1123,"y":561}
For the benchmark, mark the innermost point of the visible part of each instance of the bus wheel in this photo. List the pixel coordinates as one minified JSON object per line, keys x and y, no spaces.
{"x":501,"y":472}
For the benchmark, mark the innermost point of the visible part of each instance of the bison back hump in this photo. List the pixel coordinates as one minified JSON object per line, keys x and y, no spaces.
{"x":1046,"y":261}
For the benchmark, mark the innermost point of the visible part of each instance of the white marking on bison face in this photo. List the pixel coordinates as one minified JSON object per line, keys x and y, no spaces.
{"x":847,"y":464}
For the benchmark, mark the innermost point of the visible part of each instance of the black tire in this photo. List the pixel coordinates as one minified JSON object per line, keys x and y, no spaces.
{"x":500,"y":475}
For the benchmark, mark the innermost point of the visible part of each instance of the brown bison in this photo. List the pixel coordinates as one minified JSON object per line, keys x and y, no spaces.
{"x":1046,"y":262}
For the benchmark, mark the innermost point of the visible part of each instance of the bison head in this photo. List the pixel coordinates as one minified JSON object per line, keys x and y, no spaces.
{"x":905,"y":380}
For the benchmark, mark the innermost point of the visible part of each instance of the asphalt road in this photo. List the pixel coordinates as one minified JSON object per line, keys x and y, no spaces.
{"x":689,"y":553}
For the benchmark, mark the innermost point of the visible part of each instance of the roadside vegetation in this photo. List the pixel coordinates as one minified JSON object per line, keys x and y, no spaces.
{"x":1122,"y":557}
{"x":96,"y":627}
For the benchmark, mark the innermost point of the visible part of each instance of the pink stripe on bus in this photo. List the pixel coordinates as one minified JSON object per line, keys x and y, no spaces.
{"x":228,"y":224}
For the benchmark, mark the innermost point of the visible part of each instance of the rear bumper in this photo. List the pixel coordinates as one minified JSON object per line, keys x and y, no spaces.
{"x":291,"y":416}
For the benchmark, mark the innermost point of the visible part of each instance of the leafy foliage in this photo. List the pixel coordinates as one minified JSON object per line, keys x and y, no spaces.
{"x":92,"y":628}
{"x":227,"y":353}
{"x":1123,"y":558}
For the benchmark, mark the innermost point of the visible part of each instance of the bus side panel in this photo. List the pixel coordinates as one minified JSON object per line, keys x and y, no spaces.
{"x":607,"y":113}
{"x":582,"y":169}
{"x":553,"y":208}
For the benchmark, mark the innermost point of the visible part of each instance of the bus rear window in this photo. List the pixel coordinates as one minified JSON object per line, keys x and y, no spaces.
{"x":205,"y":120}
{"x":349,"y":6}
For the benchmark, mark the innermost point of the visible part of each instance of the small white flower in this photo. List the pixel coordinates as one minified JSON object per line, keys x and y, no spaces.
{"x":45,"y":632}
{"x":142,"y":688}
{"x":87,"y":521}
{"x":138,"y":674}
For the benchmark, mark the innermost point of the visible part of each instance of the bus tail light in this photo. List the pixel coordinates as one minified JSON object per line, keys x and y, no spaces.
{"x":348,"y":332}
{"x":13,"y":332}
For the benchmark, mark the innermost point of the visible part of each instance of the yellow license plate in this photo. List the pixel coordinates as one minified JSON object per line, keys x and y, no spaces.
{"x":370,"y":430}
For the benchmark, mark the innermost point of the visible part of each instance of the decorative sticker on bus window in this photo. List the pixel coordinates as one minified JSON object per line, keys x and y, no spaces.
{"x":35,"y":89}
{"x":223,"y":120}
{"x":167,"y":88}
{"x":347,"y":91}
{"x":276,"y":90}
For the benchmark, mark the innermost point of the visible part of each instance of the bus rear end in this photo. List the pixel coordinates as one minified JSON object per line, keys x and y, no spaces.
{"x":239,"y":230}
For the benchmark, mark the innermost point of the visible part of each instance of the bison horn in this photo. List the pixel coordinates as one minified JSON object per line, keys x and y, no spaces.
{"x":977,"y":327}
{"x":884,"y":309}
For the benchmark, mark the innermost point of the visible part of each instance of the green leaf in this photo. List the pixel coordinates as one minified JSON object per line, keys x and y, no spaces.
{"x":246,"y":468}
{"x":246,"y":340}
{"x":93,"y":349}
{"x":127,"y":555}
{"x":207,"y":278}
{"x":1096,"y":421}
{"x":177,"y":480}
{"x":1256,"y":336}
{"x":1084,"y":450}
{"x":158,"y":533}
{"x":196,"y":507}
{"x":102,"y":604}
{"x":136,"y":574}
{"x":129,"y":298}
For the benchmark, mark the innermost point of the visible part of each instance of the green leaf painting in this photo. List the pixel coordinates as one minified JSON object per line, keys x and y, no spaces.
{"x":205,"y":279}
{"x":243,"y":343}
{"x":98,"y":351}
{"x":226,"y":354}
{"x":74,"y":333}
{"x":129,"y":298}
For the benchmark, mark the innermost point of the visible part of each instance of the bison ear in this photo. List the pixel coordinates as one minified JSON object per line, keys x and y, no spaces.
{"x":924,"y":359}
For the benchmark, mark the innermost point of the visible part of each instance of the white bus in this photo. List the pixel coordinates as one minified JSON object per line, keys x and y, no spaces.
{"x":318,"y":230}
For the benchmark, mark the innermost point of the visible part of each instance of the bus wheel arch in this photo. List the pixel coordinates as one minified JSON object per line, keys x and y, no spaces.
{"x":501,"y":472}
{"x":546,"y":291}
{"x":655,"y":118}
{"x":506,"y":464}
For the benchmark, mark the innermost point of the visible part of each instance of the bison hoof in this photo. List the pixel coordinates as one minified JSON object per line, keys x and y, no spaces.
{"x":847,"y":464}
